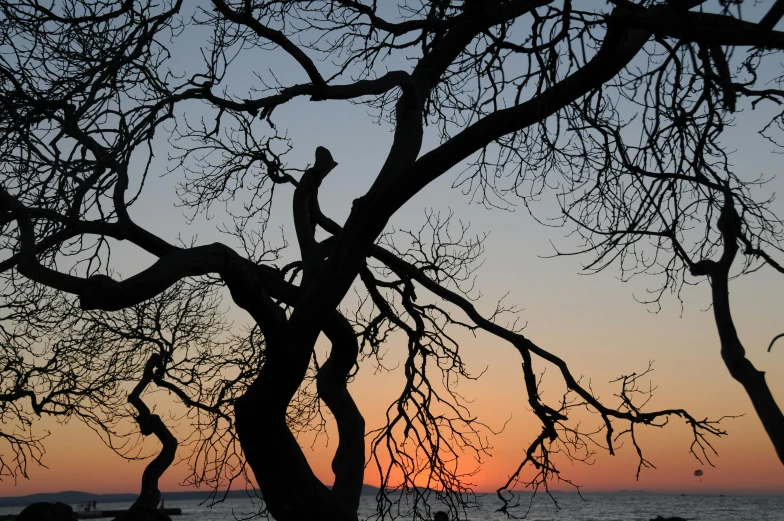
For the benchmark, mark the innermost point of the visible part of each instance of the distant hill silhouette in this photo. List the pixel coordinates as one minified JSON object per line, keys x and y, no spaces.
{"x":73,"y":497}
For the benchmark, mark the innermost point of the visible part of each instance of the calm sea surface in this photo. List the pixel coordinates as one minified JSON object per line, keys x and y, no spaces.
{"x":595,"y":507}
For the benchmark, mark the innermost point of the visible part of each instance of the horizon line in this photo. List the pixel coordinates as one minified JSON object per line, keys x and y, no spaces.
{"x":478,"y":492}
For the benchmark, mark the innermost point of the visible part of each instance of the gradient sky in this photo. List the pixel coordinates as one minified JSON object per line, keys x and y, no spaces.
{"x":592,"y":322}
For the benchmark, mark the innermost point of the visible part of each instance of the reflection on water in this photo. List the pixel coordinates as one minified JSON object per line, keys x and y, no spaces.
{"x":594,"y":507}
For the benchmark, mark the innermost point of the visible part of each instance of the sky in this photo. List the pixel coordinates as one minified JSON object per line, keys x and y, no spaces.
{"x":593,"y":322}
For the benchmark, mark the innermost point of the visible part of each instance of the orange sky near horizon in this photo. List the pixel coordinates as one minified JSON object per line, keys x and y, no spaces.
{"x":688,"y":372}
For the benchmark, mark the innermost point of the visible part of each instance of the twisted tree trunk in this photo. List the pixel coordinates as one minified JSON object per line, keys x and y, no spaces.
{"x":291,"y":490}
{"x":145,"y":508}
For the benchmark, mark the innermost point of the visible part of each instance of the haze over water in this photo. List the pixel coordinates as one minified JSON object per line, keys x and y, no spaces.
{"x":593,"y":507}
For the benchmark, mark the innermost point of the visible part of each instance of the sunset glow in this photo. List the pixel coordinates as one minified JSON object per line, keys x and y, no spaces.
{"x":571,"y":289}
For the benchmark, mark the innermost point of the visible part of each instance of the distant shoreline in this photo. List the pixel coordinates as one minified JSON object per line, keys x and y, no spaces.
{"x":77,"y":497}
{"x":72,"y":497}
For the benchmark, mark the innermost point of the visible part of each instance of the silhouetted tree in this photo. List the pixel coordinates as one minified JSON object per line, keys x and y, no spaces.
{"x":522,"y":90}
{"x":145,"y":508}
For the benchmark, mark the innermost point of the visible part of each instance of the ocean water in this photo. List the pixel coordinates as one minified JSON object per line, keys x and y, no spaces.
{"x":593,"y":507}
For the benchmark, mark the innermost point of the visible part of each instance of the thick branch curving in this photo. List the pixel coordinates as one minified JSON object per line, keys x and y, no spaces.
{"x":732,"y":351}
{"x":306,"y":206}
